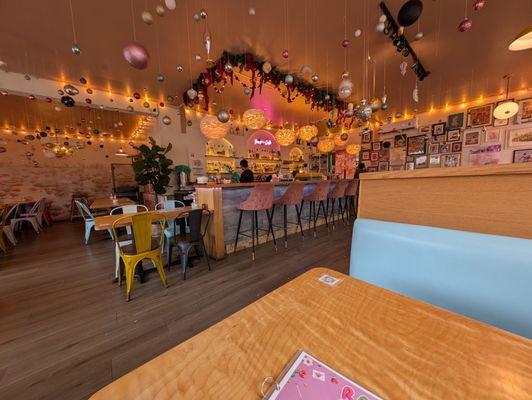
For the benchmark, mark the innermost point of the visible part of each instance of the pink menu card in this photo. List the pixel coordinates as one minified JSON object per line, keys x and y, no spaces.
{"x":307,"y":378}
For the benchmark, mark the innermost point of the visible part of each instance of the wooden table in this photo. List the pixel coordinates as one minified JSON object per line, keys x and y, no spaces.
{"x":397,"y":347}
{"x":107,"y":203}
{"x":106,"y":221}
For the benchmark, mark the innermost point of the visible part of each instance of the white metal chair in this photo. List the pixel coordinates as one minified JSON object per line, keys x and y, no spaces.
{"x":171,"y":230}
{"x":7,"y":227}
{"x":18,"y":219}
{"x":88,"y":217}
{"x":37,"y":211}
{"x":127,"y":239}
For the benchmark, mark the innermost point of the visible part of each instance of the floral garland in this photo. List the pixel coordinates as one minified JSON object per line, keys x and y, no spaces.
{"x":318,"y":99}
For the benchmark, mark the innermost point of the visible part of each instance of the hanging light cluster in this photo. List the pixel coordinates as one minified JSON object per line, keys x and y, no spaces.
{"x":340,"y":139}
{"x":254,"y":118}
{"x":285,"y":137}
{"x":307,"y":132}
{"x":353,"y":149}
{"x":325,"y":144}
{"x":212,"y":128}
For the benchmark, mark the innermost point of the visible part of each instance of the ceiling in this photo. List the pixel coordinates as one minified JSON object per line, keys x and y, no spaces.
{"x":36,"y":38}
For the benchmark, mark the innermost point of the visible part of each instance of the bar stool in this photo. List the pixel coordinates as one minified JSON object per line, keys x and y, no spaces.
{"x":319,"y":194}
{"x":337,"y":193}
{"x":260,"y":198}
{"x":293,"y":196}
{"x":351,"y":192}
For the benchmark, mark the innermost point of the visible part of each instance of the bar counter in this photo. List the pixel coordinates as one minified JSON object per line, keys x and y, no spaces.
{"x":224,"y":198}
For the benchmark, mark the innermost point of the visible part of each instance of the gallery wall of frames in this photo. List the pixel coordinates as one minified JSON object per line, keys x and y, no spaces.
{"x":467,"y":136}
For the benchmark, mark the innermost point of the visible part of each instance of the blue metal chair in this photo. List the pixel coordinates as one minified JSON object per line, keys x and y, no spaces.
{"x":173,"y":229}
{"x":88,"y":218}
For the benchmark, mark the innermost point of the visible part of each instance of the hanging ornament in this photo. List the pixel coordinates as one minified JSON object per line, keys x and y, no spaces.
{"x":223,"y":116}
{"x":288,"y":79}
{"x":409,"y":12}
{"x":380,"y":27}
{"x":285,"y":53}
{"x":415,"y":94}
{"x":71,"y":90}
{"x":68,"y":101}
{"x":192,"y":94}
{"x":251,"y":11}
{"x":170,"y":98}
{"x":254,"y":118}
{"x":160,"y":77}
{"x":398,"y":115}
{"x":314,"y":78}
{"x":345,"y":89}
{"x":465,"y":25}
{"x":197,"y":18}
{"x":197,"y":57}
{"x":212,"y":128}
{"x":146,"y":104}
{"x":136,"y":55}
{"x":228,"y":67}
{"x":207,"y":41}
{"x":358,"y":33}
{"x":170,"y":4}
{"x":27,"y":77}
{"x":344,"y":136}
{"x":31,"y":97}
{"x":130,"y":108}
{"x":89,"y":91}
{"x":478,"y":4}
{"x":305,"y":69}
{"x":384,"y":106}
{"x":402,"y":67}
{"x":4,"y":92}
{"x":146,"y":17}
{"x":327,"y":97}
{"x":266,"y":67}
{"x":375,"y":104}
{"x":75,"y":50}
{"x":48,"y":100}
{"x":247,"y":91}
{"x":167,"y":120}
{"x":88,"y":100}
{"x":82,"y":80}
{"x":136,"y":95}
{"x":418,"y":36}
{"x":159,"y":9}
{"x":179,"y":68}
{"x":285,"y":137}
{"x":382,"y":18}
{"x":345,"y":43}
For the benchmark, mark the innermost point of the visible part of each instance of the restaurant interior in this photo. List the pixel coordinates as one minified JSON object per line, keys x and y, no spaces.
{"x":258,"y":199}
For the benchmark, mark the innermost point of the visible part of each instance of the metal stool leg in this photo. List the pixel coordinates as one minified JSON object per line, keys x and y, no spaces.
{"x":332,"y":212}
{"x":238,"y":229}
{"x":253,"y":235}
{"x":270,"y":228}
{"x":285,"y":228}
{"x":298,"y":212}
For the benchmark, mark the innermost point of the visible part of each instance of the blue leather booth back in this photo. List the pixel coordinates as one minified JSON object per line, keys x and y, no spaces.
{"x":484,"y":277}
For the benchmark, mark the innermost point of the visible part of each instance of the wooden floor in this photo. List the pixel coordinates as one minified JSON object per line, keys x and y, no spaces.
{"x":66,"y":329}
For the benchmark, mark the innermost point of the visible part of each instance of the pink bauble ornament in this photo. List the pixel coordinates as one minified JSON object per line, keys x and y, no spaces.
{"x":285,"y":53}
{"x":465,"y":25}
{"x":477,"y":5}
{"x":345,"y":43}
{"x":136,"y":55}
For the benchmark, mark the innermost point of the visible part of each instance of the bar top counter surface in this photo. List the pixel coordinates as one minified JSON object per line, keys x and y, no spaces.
{"x":252,"y":184}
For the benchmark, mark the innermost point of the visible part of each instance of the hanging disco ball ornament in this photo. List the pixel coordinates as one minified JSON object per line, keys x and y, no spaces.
{"x":146,"y":17}
{"x":223,"y":116}
{"x":345,"y":89}
{"x":419,"y":36}
{"x":285,"y":53}
{"x":75,"y":50}
{"x":409,"y":12}
{"x":478,"y":4}
{"x":159,"y":9}
{"x":465,"y":25}
{"x":247,"y":91}
{"x":68,"y":101}
{"x":288,"y":79}
{"x":71,"y":90}
{"x":192,"y":94}
{"x":266,"y":67}
{"x":136,"y":55}
{"x":254,"y":118}
{"x":167,"y":120}
{"x":384,"y":106}
{"x":179,"y":68}
{"x":160,"y":77}
{"x":203,"y":13}
{"x":314,"y":78}
{"x":197,"y":18}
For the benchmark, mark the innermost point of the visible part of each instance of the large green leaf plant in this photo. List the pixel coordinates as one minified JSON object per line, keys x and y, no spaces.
{"x":152,"y":167}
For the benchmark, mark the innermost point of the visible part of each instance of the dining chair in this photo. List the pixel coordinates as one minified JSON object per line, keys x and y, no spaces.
{"x":88,"y":218}
{"x":188,"y":240}
{"x":142,"y":246}
{"x":18,"y":219}
{"x":172,"y":229}
{"x":37,"y":211}
{"x":124,"y":239}
{"x":7,"y":228}
{"x":3,"y":213}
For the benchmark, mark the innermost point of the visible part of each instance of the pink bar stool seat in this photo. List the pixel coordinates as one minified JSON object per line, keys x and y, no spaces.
{"x":293,"y":196}
{"x":318,"y":195}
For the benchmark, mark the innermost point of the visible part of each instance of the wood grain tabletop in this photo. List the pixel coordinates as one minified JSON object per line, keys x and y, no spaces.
{"x":395,"y":346}
{"x":104,"y":203}
{"x":106,"y":221}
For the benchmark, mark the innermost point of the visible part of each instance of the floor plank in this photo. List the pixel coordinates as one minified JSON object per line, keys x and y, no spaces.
{"x":66,"y":329}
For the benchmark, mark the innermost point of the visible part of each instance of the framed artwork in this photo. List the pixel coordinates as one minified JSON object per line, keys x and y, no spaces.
{"x":485,"y":155}
{"x":376,"y":146}
{"x":366,"y":137}
{"x":480,"y":116}
{"x":374,"y":156}
{"x":445,"y":148}
{"x":421,"y":162}
{"x":471,"y":138}
{"x":438,"y":129}
{"x":425,"y":129}
{"x":416,"y":145}
{"x":383,"y":165}
{"x":456,"y":147}
{"x":492,"y":136}
{"x":438,"y":139}
{"x":384,"y":155}
{"x":372,"y":169}
{"x":501,"y":122}
{"x":454,"y":135}
{"x":434,"y":148}
{"x":451,"y":160}
{"x":522,"y":156}
{"x":365,"y":155}
{"x":409,"y":158}
{"x":409,"y":165}
{"x":399,"y":140}
{"x":520,"y":137}
{"x":435,"y":161}
{"x":455,"y":121}
{"x":525,"y":111}
{"x":397,"y":167}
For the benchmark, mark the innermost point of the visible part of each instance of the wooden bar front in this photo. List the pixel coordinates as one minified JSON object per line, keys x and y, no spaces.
{"x":487,"y":199}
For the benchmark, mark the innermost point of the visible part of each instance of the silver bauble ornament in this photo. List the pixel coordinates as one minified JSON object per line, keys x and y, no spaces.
{"x":167,"y":120}
{"x":170,"y":4}
{"x":203,"y":13}
{"x":379,"y":27}
{"x":179,"y":68}
{"x":314,"y":78}
{"x":384,"y":106}
{"x":251,"y":11}
{"x":197,"y":57}
{"x":192,"y":94}
{"x":228,"y":67}
{"x":327,"y":97}
{"x":345,"y":89}
{"x":223,"y":116}
{"x":344,"y":137}
{"x":288,"y":79}
{"x":160,"y":77}
{"x":130,"y":108}
{"x":266,"y":67}
{"x":418,"y":36}
{"x":247,"y":91}
{"x":146,"y":17}
{"x":27,"y":77}
{"x":71,"y":90}
{"x":465,"y":25}
{"x":197,"y":17}
{"x":75,"y":50}
{"x":358,"y":32}
{"x":136,"y":55}
{"x":376,"y":104}
{"x":159,"y":9}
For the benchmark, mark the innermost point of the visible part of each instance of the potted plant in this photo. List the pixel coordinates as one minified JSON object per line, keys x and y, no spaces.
{"x":151,"y":166}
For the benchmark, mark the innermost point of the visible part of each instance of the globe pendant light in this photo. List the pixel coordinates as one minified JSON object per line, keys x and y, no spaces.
{"x":508,"y":108}
{"x":254,"y":118}
{"x":212,"y":128}
{"x":307,"y":132}
{"x":285,"y":137}
{"x":326,"y":144}
{"x":353,"y":149}
{"x":523,"y":41}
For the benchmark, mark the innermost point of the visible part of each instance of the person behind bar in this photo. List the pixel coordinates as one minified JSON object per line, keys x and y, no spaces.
{"x":246,"y":175}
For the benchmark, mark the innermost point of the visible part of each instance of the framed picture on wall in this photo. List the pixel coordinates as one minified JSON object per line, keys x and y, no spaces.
{"x":421,"y":162}
{"x":434,"y":148}
{"x":501,"y":122}
{"x":426,"y":129}
{"x":456,"y":147}
{"x":454,"y":135}
{"x":438,"y":139}
{"x":522,"y":156}
{"x":455,"y":121}
{"x":372,"y":169}
{"x":416,"y":145}
{"x":366,"y":155}
{"x":376,"y":146}
{"x":492,"y":136}
{"x":471,"y":138}
{"x":438,"y":129}
{"x":384,"y":155}
{"x":409,"y":165}
{"x":374,"y":156}
{"x":525,"y":111}
{"x":451,"y":160}
{"x":366,"y":137}
{"x":383,"y":165}
{"x":480,"y":116}
{"x":445,"y":148}
{"x":520,"y":137}
{"x":399,"y":140}
{"x":435,"y":161}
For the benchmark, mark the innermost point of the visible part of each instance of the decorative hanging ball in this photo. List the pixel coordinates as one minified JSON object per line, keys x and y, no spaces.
{"x":160,"y":77}
{"x":228,"y":67}
{"x":314,"y":78}
{"x":478,"y":4}
{"x":379,"y":27}
{"x":136,"y":95}
{"x":398,"y":115}
{"x":376,"y":104}
{"x":159,"y":9}
{"x":338,"y":141}
{"x":89,"y":91}
{"x":130,"y":108}
{"x":192,"y":94}
{"x":82,"y":80}
{"x":170,"y":4}
{"x":146,"y":17}
{"x":167,"y":120}
{"x":170,"y":98}
{"x":48,"y":100}
{"x":197,"y":57}
{"x":409,"y":12}
{"x":31,"y":97}
{"x":146,"y":104}
{"x":212,"y":128}
{"x":384,"y":106}
{"x":4,"y":92}
{"x":254,"y":118}
{"x":345,"y":43}
{"x":288,"y":79}
{"x":71,"y":90}
{"x":307,"y":132}
{"x":418,"y":36}
{"x":285,"y":137}
{"x":223,"y":116}
{"x":179,"y":68}
{"x":344,"y":136}
{"x":247,"y":91}
{"x":57,"y":108}
{"x":88,"y":100}
{"x":345,"y":89}
{"x":465,"y":25}
{"x":266,"y":67}
{"x":68,"y":101}
{"x":27,"y":77}
{"x":203,"y":13}
{"x":327,"y":97}
{"x":353,"y":149}
{"x":358,"y":33}
{"x":75,"y":50}
{"x":136,"y":55}
{"x":285,"y":53}
{"x":382,"y":18}
{"x":325,"y":145}
{"x":197,"y":18}
{"x":251,"y":11}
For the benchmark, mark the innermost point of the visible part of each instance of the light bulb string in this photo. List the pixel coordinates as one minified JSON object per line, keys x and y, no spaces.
{"x":133,"y":21}
{"x":72,"y":22}
{"x":189,"y":49}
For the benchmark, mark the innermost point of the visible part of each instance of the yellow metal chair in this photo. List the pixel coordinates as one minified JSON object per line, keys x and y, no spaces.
{"x":144,"y":245}
{"x":3,"y":215}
